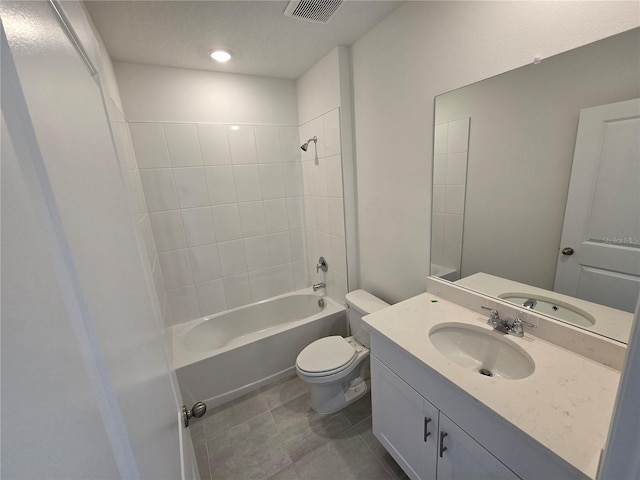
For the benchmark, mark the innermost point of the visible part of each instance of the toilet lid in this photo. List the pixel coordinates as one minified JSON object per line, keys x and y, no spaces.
{"x":325,"y":355}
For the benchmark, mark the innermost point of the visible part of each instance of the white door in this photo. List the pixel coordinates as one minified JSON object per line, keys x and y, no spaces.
{"x":600,"y":247}
{"x":88,"y":390}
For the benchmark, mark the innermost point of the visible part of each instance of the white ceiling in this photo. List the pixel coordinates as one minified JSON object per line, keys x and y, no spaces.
{"x":263,"y":41}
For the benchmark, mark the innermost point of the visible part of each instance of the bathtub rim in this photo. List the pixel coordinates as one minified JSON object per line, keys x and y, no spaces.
{"x":182,"y":357}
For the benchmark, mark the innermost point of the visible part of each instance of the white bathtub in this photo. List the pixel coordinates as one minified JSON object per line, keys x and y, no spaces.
{"x":223,"y":356}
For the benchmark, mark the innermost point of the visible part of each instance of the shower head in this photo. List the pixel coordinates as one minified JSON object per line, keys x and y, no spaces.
{"x":305,"y":146}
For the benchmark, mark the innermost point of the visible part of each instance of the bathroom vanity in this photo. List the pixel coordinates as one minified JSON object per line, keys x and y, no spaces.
{"x":536,"y":411}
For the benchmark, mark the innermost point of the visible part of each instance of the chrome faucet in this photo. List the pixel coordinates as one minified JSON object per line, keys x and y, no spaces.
{"x":318,"y":286}
{"x":514,"y":328}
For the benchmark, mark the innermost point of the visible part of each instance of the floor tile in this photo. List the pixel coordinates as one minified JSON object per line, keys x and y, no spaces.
{"x":344,"y":458}
{"x":288,"y":473}
{"x":250,"y":451}
{"x":358,"y":410}
{"x":196,"y":429}
{"x":302,"y":429}
{"x":284,"y":390}
{"x":231,"y":414}
{"x":365,"y":431}
{"x":202,"y":460}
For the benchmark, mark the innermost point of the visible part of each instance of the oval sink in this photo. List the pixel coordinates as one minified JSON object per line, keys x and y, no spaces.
{"x":482,"y":351}
{"x":550,"y":306}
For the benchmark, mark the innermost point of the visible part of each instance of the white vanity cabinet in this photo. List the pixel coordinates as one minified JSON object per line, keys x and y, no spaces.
{"x":425,"y":442}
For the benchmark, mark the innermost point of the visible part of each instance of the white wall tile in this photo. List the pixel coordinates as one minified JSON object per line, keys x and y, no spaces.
{"x":135,"y":190}
{"x":289,"y":142}
{"x":149,"y":145}
{"x":334,"y":176}
{"x":310,"y":216}
{"x":331,"y":123}
{"x":308,"y":130}
{"x":311,"y":245}
{"x":226,"y":221}
{"x":268,"y":144}
{"x":237,"y":290}
{"x":252,"y":219}
{"x":242,"y":143}
{"x":437,"y":252}
{"x":440,"y":169}
{"x":176,"y":269}
{"x":221,"y":185}
{"x":191,"y":187}
{"x":324,"y":244}
{"x":247,"y":179}
{"x":453,"y":228}
{"x":458,"y":137}
{"x":297,"y":244}
{"x":438,"y":199}
{"x":279,"y":248}
{"x":272,"y":181}
{"x":451,"y":255}
{"x":338,"y":255}
{"x":454,"y":199}
{"x":183,"y":303}
{"x":211,"y":297}
{"x":300,"y":275}
{"x":295,"y":212}
{"x":257,"y":250}
{"x":232,"y":257}
{"x":456,"y":168}
{"x":292,"y":173}
{"x":214,"y":144}
{"x":322,"y":214}
{"x":159,"y":189}
{"x":261,"y":282}
{"x":308,"y":182}
{"x":198,"y":226}
{"x":440,"y":138}
{"x":282,"y":279}
{"x":437,"y":226}
{"x":319,"y":175}
{"x":205,"y":263}
{"x":156,"y":273}
{"x":183,"y":144}
{"x":275,"y":215}
{"x":336,"y":217}
{"x":168,"y":232}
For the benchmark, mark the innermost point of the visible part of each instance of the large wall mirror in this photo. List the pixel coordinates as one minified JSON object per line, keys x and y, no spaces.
{"x":536,"y":195}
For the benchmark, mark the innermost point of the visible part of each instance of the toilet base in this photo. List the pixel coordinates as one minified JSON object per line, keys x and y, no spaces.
{"x":332,"y":398}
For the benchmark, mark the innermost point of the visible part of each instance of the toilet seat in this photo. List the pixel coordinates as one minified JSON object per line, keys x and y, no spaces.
{"x":326,"y":356}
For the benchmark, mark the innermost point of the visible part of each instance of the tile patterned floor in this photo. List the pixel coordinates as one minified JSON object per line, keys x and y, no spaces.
{"x":273,"y":434}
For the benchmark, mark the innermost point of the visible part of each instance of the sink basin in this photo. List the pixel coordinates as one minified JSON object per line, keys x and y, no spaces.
{"x":553,"y":307}
{"x":486,"y":352}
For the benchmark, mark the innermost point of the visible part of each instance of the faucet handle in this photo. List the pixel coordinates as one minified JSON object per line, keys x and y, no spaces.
{"x":494,"y":313}
{"x":519,"y":321}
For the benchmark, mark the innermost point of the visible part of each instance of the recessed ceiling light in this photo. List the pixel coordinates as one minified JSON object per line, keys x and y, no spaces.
{"x":221,"y":55}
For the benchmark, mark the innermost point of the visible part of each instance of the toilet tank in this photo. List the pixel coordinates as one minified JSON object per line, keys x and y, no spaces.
{"x":361,"y":303}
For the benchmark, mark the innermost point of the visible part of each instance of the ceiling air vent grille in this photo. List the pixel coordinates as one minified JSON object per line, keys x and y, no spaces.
{"x":318,"y":11}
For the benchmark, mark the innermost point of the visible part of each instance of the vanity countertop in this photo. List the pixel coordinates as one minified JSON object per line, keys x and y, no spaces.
{"x":565,"y":404}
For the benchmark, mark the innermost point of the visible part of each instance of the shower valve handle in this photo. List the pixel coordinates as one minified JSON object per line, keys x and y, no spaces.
{"x":322,"y":265}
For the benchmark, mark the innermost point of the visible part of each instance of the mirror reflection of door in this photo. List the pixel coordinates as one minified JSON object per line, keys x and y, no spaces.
{"x":600,"y":246}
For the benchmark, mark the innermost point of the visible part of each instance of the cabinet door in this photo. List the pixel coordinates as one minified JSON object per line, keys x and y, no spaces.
{"x":466,"y":459}
{"x":405,"y":424}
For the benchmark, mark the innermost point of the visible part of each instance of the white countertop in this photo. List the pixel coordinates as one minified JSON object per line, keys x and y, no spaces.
{"x":565,"y":404}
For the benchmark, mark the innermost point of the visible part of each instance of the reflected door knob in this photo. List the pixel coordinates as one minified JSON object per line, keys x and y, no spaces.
{"x":567,"y":251}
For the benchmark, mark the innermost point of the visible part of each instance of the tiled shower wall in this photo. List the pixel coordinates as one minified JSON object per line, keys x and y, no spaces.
{"x":451,"y":143}
{"x":323,"y":202}
{"x":226,"y":210}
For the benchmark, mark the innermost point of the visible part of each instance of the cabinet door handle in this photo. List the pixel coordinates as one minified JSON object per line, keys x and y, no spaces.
{"x":442,"y":447}
{"x":426,"y":428}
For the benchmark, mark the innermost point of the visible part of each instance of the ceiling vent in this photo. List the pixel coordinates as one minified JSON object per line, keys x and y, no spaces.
{"x":317,"y":11}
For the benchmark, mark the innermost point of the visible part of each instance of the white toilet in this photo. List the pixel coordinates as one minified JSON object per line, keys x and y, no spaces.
{"x":335,"y":367}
